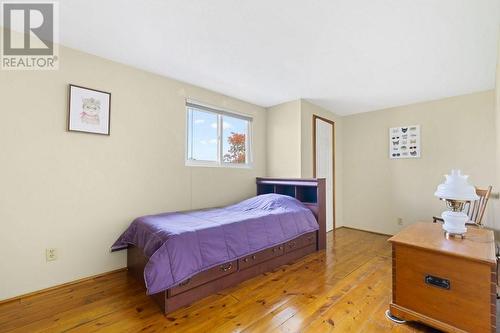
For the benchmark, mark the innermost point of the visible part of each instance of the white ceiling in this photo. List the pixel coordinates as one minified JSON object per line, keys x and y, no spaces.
{"x":348,"y":56}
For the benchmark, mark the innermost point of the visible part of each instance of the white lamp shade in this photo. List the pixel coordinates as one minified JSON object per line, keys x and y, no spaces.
{"x":456,"y":187}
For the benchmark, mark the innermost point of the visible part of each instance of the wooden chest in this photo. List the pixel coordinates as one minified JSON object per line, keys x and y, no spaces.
{"x":449,"y":284}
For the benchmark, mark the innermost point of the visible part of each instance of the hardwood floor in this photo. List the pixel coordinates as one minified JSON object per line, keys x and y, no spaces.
{"x":345,"y":289}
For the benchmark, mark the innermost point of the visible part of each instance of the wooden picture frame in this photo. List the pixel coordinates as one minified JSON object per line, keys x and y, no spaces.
{"x":89,"y":110}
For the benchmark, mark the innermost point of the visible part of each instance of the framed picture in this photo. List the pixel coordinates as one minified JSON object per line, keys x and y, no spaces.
{"x":89,"y":110}
{"x":404,"y":142}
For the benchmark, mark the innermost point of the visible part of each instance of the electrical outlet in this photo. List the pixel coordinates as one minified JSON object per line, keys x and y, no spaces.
{"x":400,"y":221}
{"x":50,"y":254}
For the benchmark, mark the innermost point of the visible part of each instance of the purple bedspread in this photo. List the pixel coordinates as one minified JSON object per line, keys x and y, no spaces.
{"x":179,"y":245}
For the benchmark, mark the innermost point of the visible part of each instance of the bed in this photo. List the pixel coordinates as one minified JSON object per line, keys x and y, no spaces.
{"x":181,"y":257}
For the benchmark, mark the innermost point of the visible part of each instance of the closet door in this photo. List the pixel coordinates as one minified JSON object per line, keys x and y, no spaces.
{"x":324,"y":164}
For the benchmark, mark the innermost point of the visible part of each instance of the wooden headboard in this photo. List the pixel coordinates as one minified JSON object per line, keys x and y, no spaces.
{"x":311,"y":192}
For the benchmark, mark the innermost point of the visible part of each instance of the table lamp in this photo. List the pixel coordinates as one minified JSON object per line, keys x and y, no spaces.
{"x":456,"y":191}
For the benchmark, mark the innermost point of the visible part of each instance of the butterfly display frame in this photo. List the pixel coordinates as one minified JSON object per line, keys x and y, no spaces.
{"x":404,"y":142}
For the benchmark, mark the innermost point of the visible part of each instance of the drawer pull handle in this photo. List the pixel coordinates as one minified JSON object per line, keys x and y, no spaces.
{"x":226,"y":267}
{"x":281,"y":247}
{"x":183,"y":283}
{"x":438,"y":282}
{"x":245,"y":260}
{"x":254,"y":257}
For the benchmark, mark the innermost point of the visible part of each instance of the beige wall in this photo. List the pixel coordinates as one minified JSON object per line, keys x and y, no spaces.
{"x":77,"y":192}
{"x":283,"y":140}
{"x":307,"y":111}
{"x":457,"y":132}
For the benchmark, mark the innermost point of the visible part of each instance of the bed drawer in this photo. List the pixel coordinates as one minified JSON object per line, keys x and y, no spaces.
{"x":204,"y":277}
{"x":300,"y":242}
{"x":261,"y":256}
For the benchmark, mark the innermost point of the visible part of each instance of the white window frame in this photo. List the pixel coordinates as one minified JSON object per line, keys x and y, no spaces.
{"x":190,"y":104}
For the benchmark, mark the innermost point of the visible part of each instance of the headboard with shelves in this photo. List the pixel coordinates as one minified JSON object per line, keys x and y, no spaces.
{"x":311,"y":192}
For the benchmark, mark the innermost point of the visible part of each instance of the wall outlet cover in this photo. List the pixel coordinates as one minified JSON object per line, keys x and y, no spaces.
{"x":50,"y":254}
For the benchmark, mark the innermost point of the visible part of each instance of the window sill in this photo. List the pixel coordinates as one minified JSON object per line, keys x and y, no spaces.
{"x":217,"y":165}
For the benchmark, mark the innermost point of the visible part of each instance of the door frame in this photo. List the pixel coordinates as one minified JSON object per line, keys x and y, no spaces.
{"x":331,"y":122}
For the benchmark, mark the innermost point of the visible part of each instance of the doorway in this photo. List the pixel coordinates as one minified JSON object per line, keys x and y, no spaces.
{"x":324,"y":163}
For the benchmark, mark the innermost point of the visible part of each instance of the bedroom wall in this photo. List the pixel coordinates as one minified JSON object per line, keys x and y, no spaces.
{"x":457,"y":132}
{"x":77,"y":192}
{"x":283,"y":140}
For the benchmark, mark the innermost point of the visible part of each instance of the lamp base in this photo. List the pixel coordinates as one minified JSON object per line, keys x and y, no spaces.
{"x":454,"y":222}
{"x":448,"y":235}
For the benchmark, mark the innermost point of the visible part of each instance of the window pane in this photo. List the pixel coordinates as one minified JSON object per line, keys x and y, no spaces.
{"x":234,"y":140}
{"x":202,"y":135}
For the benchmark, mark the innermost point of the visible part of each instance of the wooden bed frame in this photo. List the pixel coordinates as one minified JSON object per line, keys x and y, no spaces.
{"x":309,"y":191}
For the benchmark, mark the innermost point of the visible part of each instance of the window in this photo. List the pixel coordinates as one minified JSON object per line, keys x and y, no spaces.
{"x":216,"y":137}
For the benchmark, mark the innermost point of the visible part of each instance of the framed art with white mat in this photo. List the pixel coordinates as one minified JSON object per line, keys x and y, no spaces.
{"x":89,"y":110}
{"x":404,"y":142}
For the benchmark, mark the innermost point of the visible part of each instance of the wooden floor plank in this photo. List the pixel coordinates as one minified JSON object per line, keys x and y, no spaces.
{"x":345,"y":288}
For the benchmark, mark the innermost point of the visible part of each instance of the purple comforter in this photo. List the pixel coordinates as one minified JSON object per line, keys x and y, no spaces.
{"x":179,"y":245}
